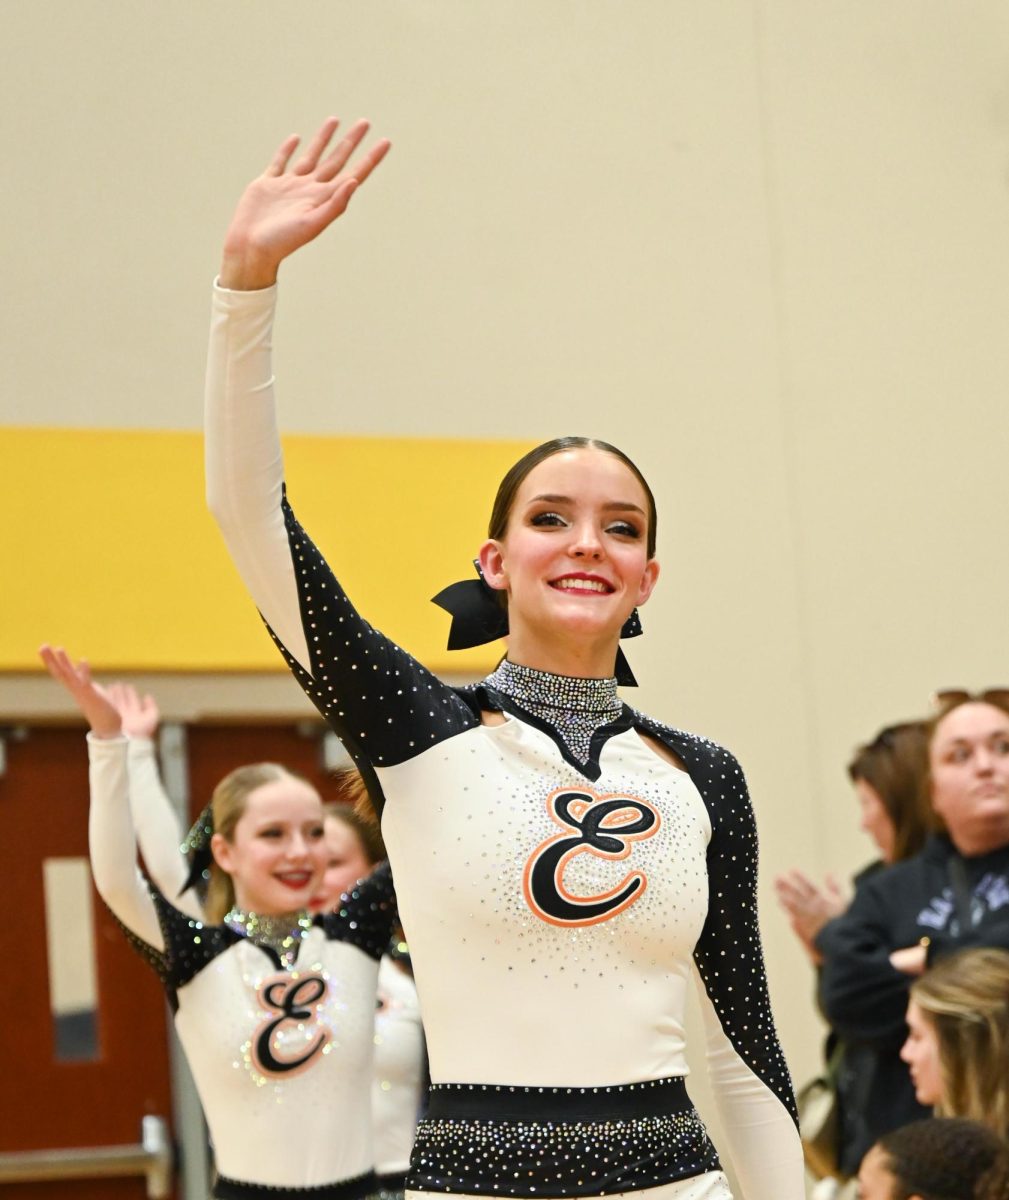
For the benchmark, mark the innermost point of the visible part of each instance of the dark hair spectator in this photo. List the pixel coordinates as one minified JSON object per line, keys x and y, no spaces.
{"x":941,"y":1159}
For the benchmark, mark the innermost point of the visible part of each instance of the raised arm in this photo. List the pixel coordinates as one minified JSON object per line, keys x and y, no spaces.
{"x":343,"y":663}
{"x":279,"y":212}
{"x":288,"y":206}
{"x":110,"y":826}
{"x":155,"y":820}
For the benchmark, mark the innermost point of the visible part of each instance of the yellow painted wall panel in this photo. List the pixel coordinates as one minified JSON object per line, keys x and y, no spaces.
{"x":108,"y":548}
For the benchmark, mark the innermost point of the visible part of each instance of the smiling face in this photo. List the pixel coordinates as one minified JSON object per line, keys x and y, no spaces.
{"x":969,"y":766}
{"x":276,"y":855}
{"x":573,"y":561}
{"x":346,"y":862}
{"x":874,"y":819}
{"x":921,"y":1053}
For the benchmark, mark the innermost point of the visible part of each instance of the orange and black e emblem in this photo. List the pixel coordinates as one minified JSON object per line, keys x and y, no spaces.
{"x":290,"y":1001}
{"x":606,"y":826}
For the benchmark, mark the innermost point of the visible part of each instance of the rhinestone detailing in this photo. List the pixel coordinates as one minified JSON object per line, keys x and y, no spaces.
{"x":282,"y":933}
{"x":358,"y":1188}
{"x":573,"y":707}
{"x":542,"y":1141}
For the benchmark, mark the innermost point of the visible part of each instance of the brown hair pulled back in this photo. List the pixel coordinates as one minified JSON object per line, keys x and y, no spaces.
{"x":353,"y":808}
{"x":228,"y":805}
{"x":510,"y":484}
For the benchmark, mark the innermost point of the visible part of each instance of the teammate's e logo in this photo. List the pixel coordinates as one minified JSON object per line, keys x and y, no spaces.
{"x":607,"y":826}
{"x":289,"y":999}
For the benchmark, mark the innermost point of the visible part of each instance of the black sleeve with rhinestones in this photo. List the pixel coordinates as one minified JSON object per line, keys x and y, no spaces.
{"x":728,"y":953}
{"x":366,"y":914}
{"x":189,"y":945}
{"x":383,"y":705}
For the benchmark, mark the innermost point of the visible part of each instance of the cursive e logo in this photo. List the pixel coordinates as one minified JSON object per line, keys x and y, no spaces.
{"x":289,"y":999}
{"x":607,"y":826}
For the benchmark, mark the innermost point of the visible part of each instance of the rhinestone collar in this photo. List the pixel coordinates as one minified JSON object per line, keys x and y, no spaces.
{"x":573,"y":707}
{"x":283,"y":933}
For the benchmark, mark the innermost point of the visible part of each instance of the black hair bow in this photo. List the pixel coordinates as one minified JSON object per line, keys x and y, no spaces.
{"x":479,"y":617}
{"x":196,"y":847}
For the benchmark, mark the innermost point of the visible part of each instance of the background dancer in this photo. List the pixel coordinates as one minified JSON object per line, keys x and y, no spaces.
{"x":354,"y":848}
{"x":279,"y":1033}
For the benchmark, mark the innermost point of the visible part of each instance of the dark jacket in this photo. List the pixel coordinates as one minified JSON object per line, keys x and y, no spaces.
{"x":864,"y":998}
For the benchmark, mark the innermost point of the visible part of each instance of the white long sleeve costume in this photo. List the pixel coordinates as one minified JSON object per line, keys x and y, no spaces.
{"x":399,"y":1036}
{"x":278,"y":1051}
{"x":556,"y":908}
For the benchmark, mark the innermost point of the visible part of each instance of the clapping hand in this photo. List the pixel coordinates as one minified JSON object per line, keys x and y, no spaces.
{"x":809,"y":906}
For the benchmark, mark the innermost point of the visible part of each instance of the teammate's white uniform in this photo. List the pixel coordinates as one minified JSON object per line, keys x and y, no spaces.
{"x":281,"y":1052}
{"x":399,"y":1060}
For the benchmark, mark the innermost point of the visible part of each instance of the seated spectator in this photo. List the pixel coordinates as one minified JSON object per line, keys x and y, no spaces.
{"x":947,"y":1159}
{"x":953,"y":894}
{"x":889,"y":776}
{"x":958,"y":1044}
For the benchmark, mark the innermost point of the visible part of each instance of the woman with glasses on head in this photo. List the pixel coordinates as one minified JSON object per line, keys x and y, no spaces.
{"x":564,"y":864}
{"x":952,"y":895}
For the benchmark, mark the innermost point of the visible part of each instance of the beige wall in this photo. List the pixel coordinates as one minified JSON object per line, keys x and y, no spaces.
{"x":761,"y":246}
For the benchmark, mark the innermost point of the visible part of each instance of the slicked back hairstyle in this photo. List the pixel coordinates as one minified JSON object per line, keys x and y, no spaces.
{"x":993,"y":699}
{"x":512,"y":481}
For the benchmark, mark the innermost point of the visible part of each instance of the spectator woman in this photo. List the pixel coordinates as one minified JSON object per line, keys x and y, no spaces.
{"x":957,"y":1046}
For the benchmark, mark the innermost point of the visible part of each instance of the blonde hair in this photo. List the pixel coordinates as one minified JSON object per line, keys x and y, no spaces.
{"x":228,"y":805}
{"x":966,"y":997}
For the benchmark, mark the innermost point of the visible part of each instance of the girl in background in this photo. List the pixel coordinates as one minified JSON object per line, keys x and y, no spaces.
{"x":354,"y":848}
{"x":274,"y":1008}
{"x":958,"y":1042}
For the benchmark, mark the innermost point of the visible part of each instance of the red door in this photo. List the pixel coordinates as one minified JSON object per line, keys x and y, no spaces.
{"x":70,"y":1080}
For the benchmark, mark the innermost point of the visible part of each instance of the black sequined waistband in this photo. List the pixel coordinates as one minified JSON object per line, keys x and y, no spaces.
{"x":391,"y":1186}
{"x":506,"y":1102}
{"x":541,"y":1142}
{"x":347,"y":1189}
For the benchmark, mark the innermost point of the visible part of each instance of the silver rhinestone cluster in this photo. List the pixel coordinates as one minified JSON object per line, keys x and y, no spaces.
{"x":574,"y":707}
